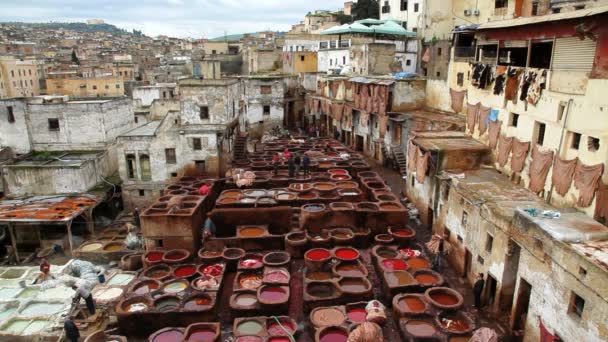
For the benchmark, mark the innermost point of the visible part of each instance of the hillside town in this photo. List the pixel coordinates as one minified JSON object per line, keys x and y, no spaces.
{"x":401,"y":170}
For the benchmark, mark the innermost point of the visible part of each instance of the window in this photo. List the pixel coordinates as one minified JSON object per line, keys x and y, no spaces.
{"x":196,"y":144}
{"x":582,"y":272}
{"x":416,"y":8}
{"x":107,"y":86}
{"x":386,"y":8}
{"x":170,"y":156}
{"x":439,"y":51}
{"x":30,"y":72}
{"x":331,"y":61}
{"x":142,"y":193}
{"x":53,"y":124}
{"x":200,"y":166}
{"x":344,"y":60}
{"x":173,"y":174}
{"x":171,"y":93}
{"x":460,"y":79}
{"x":460,"y":239}
{"x":164,"y":94}
{"x":130,"y":166}
{"x":265,"y":90}
{"x":438,"y":74}
{"x":576,"y":306}
{"x":403,"y":5}
{"x":593,"y":144}
{"x":514,"y":120}
{"x":94,"y":87}
{"x":213,"y":52}
{"x":500,"y":3}
{"x":465,"y":218}
{"x":560,"y":111}
{"x":540,"y":133}
{"x":408,"y":62}
{"x":480,"y":259}
{"x":540,"y":55}
{"x":302,"y":58}
{"x":136,"y":119}
{"x":12,"y":73}
{"x":204,"y":113}
{"x":266,"y":110}
{"x":10,"y":114}
{"x":146,"y":171}
{"x":118,"y":86}
{"x":575,"y":140}
{"x":447,"y":234}
{"x":535,"y":7}
{"x":489,"y":243}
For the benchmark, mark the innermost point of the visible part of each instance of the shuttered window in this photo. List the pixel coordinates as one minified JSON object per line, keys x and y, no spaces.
{"x":574,"y":54}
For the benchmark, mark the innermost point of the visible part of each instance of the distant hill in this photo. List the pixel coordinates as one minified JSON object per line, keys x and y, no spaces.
{"x":78,"y":27}
{"x":237,"y":37}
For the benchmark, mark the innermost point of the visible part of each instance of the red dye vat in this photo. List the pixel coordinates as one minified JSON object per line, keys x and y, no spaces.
{"x":185,"y":271}
{"x":249,"y":339}
{"x":154,"y":256}
{"x":395,"y":264}
{"x":279,"y":339}
{"x":252,"y":262}
{"x":357,"y":315}
{"x":169,"y":336}
{"x":277,"y":277}
{"x":274,"y":329}
{"x":202,"y":335}
{"x":318,"y":254}
{"x":402,"y":232}
{"x":273,"y":294}
{"x":213,"y":270}
{"x":347,"y":254}
{"x":175,"y":255}
{"x":333,"y":335}
{"x":338,"y":172}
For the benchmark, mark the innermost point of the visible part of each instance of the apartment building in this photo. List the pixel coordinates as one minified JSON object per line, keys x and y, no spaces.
{"x":18,"y":78}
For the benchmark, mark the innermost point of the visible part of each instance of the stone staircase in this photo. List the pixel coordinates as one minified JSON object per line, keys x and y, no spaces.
{"x":240,"y":147}
{"x":400,"y":159}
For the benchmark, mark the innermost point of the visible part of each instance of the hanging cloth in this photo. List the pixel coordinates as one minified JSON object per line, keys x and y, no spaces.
{"x":601,"y":204}
{"x":472,"y":111}
{"x":586,"y":180}
{"x":539,"y":169}
{"x":383,"y":100}
{"x":316,"y":106}
{"x":457,"y":98}
{"x":520,"y":152}
{"x":412,"y":154}
{"x":563,"y":171}
{"x":363,"y":118}
{"x":484,"y":114}
{"x":512,"y":84}
{"x":337,"y":110}
{"x":494,"y":133}
{"x":504,"y":149}
{"x":422,"y":165}
{"x":545,"y":335}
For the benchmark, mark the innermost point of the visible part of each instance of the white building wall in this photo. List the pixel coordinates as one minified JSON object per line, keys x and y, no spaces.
{"x":14,"y":134}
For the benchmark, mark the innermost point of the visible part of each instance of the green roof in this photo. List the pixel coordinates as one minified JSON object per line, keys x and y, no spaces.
{"x":348,"y":28}
{"x":233,"y":37}
{"x":371,"y":26}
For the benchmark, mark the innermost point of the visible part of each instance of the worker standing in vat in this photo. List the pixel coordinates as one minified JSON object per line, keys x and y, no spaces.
{"x":204,"y":189}
{"x":439,"y":256}
{"x":298,"y":162}
{"x":478,"y":290}
{"x":83,"y":292}
{"x":45,"y":272}
{"x":291,"y":167}
{"x":286,"y":154}
{"x":71,"y":330}
{"x":208,"y":228}
{"x":276,"y":159}
{"x":136,"y":218}
{"x":306,"y":164}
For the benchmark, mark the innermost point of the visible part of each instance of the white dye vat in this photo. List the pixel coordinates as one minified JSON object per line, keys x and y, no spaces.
{"x":60,"y":292}
{"x":28,"y":292}
{"x":13,"y":273}
{"x":6,"y":312}
{"x":121,"y":279}
{"x":109,"y":294}
{"x":9,"y":282}
{"x":9,"y":292}
{"x":35,"y":327}
{"x":42,"y":309}
{"x":16,"y":326}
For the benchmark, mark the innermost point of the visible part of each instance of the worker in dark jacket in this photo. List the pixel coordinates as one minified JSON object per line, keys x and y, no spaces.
{"x":478,"y":290}
{"x":71,"y":330}
{"x":291,"y":166}
{"x":306,"y":165}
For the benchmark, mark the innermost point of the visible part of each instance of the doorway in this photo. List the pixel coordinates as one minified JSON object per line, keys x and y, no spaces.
{"x":397,"y":134}
{"x":491,"y":285}
{"x":468,"y":260}
{"x":507,"y":290}
{"x":520,"y":312}
{"x":359,"y":142}
{"x":429,"y":218}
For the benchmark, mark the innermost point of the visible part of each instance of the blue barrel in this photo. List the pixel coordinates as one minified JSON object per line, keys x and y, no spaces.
{"x":102,"y":278}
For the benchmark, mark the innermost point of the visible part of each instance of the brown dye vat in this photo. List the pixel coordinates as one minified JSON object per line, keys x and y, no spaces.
{"x":158,"y":272}
{"x":300,"y":187}
{"x":350,"y":269}
{"x":273,"y":294}
{"x":385,"y":239}
{"x":321,"y":317}
{"x":347,"y":185}
{"x":386,"y":198}
{"x":178,"y":192}
{"x":113,"y":247}
{"x":376,"y":185}
{"x":277,"y":259}
{"x":209,"y":255}
{"x":341,"y":206}
{"x":411,"y":304}
{"x":339,"y":178}
{"x":455,"y":323}
{"x":444,"y":298}
{"x":250,"y":232}
{"x":249,"y":281}
{"x":228,"y":200}
{"x":420,"y":328}
{"x":324,"y":186}
{"x":367,"y":206}
{"x":296,"y":237}
{"x":386,"y":252}
{"x":145,"y":286}
{"x":319,"y":275}
{"x":286,"y":196}
{"x":354,"y":285}
{"x":321,"y":290}
{"x":308,"y":196}
{"x":428,"y":278}
{"x":134,"y":304}
{"x":231,"y":193}
{"x":176,"y":256}
{"x":131,"y":262}
{"x":459,"y":339}
{"x":231,"y":254}
{"x":368,"y":174}
{"x":399,"y":278}
{"x":390,"y":206}
{"x":199,"y":302}
{"x":417,"y":263}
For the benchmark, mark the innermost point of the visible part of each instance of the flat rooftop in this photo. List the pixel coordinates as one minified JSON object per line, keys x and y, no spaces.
{"x":149,"y":129}
{"x":41,"y":209}
{"x":55,"y":159}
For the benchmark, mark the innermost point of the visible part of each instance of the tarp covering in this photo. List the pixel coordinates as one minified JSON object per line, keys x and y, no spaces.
{"x":539,"y":169}
{"x":586,"y":180}
{"x":563,"y":171}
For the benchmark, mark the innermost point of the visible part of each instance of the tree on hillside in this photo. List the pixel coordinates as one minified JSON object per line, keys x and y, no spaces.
{"x":75,"y":59}
{"x":364,"y":9}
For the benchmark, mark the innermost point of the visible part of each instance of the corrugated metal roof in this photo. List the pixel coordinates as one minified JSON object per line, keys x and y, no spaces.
{"x":46,"y":208}
{"x":545,"y":18}
{"x":365,"y":80}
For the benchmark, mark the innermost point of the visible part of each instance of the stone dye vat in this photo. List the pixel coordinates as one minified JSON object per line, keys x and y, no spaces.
{"x":267,"y":328}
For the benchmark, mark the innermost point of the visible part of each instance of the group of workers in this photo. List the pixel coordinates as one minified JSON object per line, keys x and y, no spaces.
{"x":294,"y":163}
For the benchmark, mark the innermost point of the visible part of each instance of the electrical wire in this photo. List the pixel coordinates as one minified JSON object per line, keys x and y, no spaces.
{"x":291,"y":338}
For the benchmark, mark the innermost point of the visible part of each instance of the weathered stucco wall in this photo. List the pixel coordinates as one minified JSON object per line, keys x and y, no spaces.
{"x":14,"y":134}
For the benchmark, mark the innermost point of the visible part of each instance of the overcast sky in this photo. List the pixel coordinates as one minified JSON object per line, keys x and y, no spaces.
{"x":178,"y":18}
